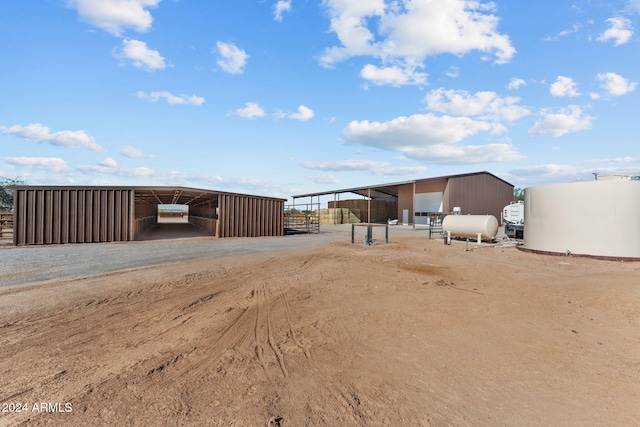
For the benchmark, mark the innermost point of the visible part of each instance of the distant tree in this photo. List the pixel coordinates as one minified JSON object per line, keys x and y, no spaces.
{"x":6,"y":195}
{"x":518,"y":194}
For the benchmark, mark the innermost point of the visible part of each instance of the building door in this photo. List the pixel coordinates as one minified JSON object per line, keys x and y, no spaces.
{"x":427,"y":203}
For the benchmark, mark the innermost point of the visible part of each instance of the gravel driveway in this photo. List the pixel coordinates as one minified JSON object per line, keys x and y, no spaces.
{"x":30,"y":264}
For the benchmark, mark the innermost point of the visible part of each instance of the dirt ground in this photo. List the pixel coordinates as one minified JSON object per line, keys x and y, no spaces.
{"x":410,"y":333}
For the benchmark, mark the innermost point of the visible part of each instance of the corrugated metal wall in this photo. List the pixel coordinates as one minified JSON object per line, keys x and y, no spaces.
{"x":52,"y":215}
{"x":476,"y":194}
{"x":479,"y":194}
{"x":45,"y":216}
{"x":405,"y":201}
{"x":247,"y":216}
{"x":146,"y":217}
{"x":204,"y":216}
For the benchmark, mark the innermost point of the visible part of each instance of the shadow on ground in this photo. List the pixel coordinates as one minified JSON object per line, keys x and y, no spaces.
{"x":173,"y":230}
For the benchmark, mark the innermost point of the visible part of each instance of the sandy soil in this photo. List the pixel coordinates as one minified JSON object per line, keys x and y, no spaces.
{"x":410,"y":333}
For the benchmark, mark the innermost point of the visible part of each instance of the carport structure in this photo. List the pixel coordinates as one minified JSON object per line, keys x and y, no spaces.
{"x":74,"y":214}
{"x":475,"y":193}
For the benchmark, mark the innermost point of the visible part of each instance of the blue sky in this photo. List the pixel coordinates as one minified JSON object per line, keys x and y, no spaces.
{"x":282,"y":97}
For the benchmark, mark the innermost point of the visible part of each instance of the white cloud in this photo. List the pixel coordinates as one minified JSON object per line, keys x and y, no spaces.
{"x":135,"y":172}
{"x":67,"y":138}
{"x":141,"y":56}
{"x":620,"y":31}
{"x":615,"y":160}
{"x":549,"y":172}
{"x":615,"y":84}
{"x":372,"y":166}
{"x":171,"y":98}
{"x":108,"y":163}
{"x":427,"y":137}
{"x":418,"y":129}
{"x":516,"y":83}
{"x":50,"y":164}
{"x":281,"y":7}
{"x":250,"y":111}
{"x":346,"y":165}
{"x":324,"y":179}
{"x":583,"y":171}
{"x":394,"y":75}
{"x":133,"y":152}
{"x":107,"y":166}
{"x":574,"y":29}
{"x":170,"y":177}
{"x":564,"y":86}
{"x":570,"y":119}
{"x":304,"y":113}
{"x":402,"y":171}
{"x":564,"y":33}
{"x":634,"y":5}
{"x":403,"y":35}
{"x":453,"y":72}
{"x":231,"y":59}
{"x":114,"y":16}
{"x":484,"y":104}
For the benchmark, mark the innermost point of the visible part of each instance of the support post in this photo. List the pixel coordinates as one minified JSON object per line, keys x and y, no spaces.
{"x":369,"y":206}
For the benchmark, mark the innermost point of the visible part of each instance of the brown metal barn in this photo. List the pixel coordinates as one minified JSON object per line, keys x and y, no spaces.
{"x":478,"y":193}
{"x":73,"y":214}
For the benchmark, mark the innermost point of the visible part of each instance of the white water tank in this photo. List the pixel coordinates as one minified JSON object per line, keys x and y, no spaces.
{"x":471,"y":225}
{"x":596,"y":218}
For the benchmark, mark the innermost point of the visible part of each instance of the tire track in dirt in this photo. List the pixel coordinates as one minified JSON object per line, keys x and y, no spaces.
{"x":270,"y":340}
{"x":254,"y":327}
{"x":292,"y":331}
{"x":349,"y":401}
{"x":259,"y":350}
{"x":225,"y":324}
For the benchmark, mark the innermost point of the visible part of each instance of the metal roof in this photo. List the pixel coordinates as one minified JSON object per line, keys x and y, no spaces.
{"x":382,"y":191}
{"x":154,"y":195}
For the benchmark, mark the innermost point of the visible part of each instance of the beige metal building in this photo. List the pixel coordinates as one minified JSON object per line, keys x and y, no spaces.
{"x":478,"y":193}
{"x":72,"y":214}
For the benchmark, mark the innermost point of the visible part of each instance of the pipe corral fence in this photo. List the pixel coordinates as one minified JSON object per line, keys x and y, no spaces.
{"x":302,"y":218}
{"x":6,"y":224}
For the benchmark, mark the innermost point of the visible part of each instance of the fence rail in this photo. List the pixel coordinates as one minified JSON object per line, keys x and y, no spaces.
{"x":6,"y":224}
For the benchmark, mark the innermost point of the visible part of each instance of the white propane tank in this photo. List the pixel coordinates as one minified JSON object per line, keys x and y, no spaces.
{"x":471,"y":225}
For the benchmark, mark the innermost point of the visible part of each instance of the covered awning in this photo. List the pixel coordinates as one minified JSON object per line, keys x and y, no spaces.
{"x":375,"y":192}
